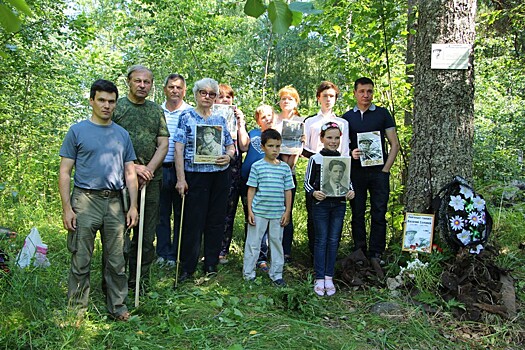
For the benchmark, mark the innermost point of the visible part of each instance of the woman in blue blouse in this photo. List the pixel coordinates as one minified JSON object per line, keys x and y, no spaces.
{"x":204,"y":184}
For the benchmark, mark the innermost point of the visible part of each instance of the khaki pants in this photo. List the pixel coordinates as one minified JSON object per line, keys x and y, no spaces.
{"x":151,"y":220}
{"x":105,"y":213}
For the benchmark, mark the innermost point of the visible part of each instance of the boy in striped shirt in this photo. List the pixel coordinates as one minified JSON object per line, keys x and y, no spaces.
{"x":269,"y":206}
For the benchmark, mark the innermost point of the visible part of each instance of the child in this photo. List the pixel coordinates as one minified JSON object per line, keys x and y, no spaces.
{"x":264,"y":115}
{"x":288,"y":102}
{"x":328,"y":212}
{"x":226,"y":97}
{"x":269,"y":205}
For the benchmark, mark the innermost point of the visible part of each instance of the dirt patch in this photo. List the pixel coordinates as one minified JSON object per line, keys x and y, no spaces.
{"x":479,"y":284}
{"x":475,"y":281}
{"x":358,"y":271}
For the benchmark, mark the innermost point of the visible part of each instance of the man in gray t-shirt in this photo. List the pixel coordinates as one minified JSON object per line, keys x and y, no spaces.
{"x":103,"y":157}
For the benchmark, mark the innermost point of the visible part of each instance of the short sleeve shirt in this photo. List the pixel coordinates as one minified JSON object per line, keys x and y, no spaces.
{"x":172,"y":120}
{"x":270,"y":181}
{"x":99,"y":152}
{"x":187,"y":132}
{"x":373,"y":119}
{"x":144,"y":122}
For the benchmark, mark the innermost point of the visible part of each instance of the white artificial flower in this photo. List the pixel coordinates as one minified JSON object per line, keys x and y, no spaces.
{"x":467,"y":192}
{"x":476,"y":250}
{"x":473,"y":219}
{"x":479,"y":203}
{"x":457,"y":202}
{"x":456,"y":223}
{"x":464,"y":237}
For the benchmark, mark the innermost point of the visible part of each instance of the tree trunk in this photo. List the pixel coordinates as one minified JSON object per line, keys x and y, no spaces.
{"x":409,"y":71}
{"x":409,"y":60}
{"x":443,"y":121}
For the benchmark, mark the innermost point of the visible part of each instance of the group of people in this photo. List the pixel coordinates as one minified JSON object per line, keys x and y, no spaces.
{"x":134,"y":144}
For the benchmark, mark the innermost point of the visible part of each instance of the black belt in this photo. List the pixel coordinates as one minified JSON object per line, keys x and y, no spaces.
{"x":101,"y":193}
{"x":167,"y":165}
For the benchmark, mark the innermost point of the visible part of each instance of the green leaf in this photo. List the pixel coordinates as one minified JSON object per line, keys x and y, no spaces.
{"x":254,"y":8}
{"x":8,"y":19}
{"x":304,"y":7}
{"x":280,"y":16}
{"x":237,"y":312}
{"x":297,"y":17}
{"x":21,"y":5}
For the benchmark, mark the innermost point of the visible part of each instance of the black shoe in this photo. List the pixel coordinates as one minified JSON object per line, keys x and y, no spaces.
{"x":184,"y":276}
{"x":287,"y":259}
{"x":279,"y":283}
{"x":210,"y":271}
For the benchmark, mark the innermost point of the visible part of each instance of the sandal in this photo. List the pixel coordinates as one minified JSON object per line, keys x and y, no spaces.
{"x":263,"y":266}
{"x":329,"y":287}
{"x":319,"y":287}
{"x":123,"y":317}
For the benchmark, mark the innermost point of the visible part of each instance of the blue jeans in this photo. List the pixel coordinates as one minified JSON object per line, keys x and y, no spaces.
{"x":377,"y":183}
{"x":328,"y":216}
{"x":288,"y":229}
{"x":170,"y":202}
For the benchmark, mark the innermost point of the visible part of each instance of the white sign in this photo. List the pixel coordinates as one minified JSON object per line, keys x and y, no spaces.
{"x":450,"y":56}
{"x":418,"y":233}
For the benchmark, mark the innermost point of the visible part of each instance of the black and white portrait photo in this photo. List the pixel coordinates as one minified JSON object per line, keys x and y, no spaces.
{"x":371,"y":149}
{"x":335,"y":176}
{"x":208,"y":143}
{"x":292,"y":133}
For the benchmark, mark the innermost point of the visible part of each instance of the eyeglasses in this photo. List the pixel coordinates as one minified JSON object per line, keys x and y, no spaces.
{"x":205,"y":93}
{"x":330,"y":125}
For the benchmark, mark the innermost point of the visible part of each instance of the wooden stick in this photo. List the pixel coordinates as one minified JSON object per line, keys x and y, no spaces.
{"x":180,"y":240}
{"x":139,"y":248}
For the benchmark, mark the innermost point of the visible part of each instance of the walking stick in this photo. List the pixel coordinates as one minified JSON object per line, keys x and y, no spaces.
{"x":180,"y":239}
{"x":139,"y":248}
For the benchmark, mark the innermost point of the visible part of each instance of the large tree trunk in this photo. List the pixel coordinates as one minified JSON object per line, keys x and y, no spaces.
{"x":409,"y":60}
{"x":443,"y":121}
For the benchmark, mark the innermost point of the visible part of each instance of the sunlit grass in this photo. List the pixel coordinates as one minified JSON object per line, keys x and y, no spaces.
{"x":227,"y":313}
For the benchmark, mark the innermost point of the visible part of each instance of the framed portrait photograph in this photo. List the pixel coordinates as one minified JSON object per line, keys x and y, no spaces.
{"x":418,"y":232}
{"x":335,"y":176}
{"x":292,"y":133}
{"x":228,"y":113}
{"x":371,"y":148}
{"x":208,"y":143}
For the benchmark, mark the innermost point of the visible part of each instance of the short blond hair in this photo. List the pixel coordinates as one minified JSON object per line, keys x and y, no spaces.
{"x":291,"y":91}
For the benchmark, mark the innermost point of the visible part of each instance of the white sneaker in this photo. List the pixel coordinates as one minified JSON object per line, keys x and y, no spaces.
{"x":160,"y":261}
{"x":170,"y":264}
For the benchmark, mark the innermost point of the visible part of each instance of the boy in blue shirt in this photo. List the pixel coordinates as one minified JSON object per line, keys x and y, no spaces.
{"x":269,"y":206}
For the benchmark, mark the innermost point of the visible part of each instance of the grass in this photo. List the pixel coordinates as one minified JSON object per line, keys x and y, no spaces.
{"x":227,"y":313}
